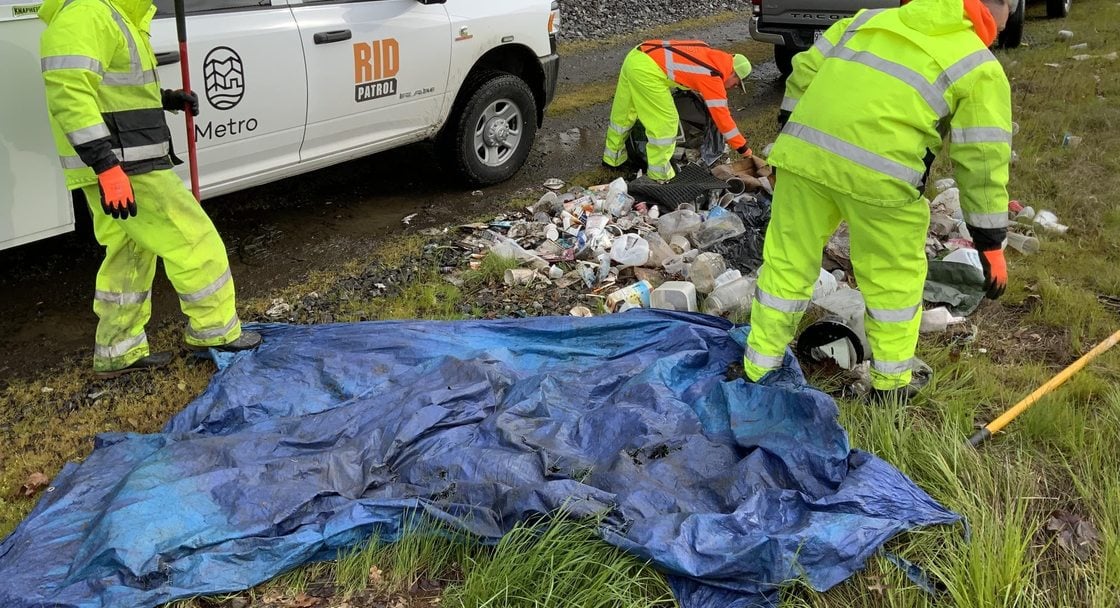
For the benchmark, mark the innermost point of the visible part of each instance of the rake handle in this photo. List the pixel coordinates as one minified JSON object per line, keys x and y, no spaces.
{"x":997,"y":425}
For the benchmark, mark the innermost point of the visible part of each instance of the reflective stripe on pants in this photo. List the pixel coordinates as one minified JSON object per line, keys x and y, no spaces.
{"x":888,"y":255}
{"x":644,"y":94}
{"x":171,"y":225}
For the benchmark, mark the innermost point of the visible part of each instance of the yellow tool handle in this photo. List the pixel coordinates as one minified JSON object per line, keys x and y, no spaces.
{"x":997,"y":425}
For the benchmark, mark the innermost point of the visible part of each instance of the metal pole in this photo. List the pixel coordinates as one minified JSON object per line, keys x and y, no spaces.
{"x":184,"y":66}
{"x":996,"y":425}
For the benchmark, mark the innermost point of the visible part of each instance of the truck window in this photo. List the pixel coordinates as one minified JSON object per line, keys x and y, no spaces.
{"x":166,"y":8}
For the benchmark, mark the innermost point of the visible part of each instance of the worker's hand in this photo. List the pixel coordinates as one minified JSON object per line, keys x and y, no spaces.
{"x":745,"y":151}
{"x":176,"y":100}
{"x":995,"y":272}
{"x":116,"y":193}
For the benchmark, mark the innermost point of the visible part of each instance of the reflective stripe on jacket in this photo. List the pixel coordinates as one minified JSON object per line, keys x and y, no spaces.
{"x":103,"y":94}
{"x":694,"y":65}
{"x":874,"y":98}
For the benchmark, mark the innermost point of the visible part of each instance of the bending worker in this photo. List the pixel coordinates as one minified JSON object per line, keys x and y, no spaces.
{"x":644,"y":92}
{"x":867,"y":107}
{"x":106,"y":111}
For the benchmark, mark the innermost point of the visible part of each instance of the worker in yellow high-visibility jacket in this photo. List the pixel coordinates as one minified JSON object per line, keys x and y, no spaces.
{"x":865,"y":110}
{"x":106,"y":111}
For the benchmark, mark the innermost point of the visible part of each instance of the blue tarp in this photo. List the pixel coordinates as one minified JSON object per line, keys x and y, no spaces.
{"x":328,"y":434}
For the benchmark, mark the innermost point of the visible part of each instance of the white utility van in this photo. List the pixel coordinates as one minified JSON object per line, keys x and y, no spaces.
{"x":290,"y":86}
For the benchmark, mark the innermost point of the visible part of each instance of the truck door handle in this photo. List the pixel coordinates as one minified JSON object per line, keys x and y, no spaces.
{"x":167,"y":58}
{"x":333,"y":36}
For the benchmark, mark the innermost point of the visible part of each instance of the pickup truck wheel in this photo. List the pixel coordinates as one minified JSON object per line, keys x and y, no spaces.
{"x":1057,"y":9}
{"x":491,"y":133}
{"x":1012,"y":35}
{"x":783,"y":56}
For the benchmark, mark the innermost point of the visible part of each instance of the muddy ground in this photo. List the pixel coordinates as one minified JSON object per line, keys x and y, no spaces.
{"x":278,"y":233}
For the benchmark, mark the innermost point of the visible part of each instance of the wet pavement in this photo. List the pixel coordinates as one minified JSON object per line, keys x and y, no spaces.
{"x":277,"y":233}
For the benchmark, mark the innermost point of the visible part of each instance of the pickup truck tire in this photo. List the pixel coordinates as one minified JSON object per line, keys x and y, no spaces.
{"x":491,"y":129}
{"x":783,"y":57}
{"x":1057,"y":9}
{"x":1012,"y":35}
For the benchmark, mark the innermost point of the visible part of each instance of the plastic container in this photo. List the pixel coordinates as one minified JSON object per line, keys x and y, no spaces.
{"x":630,"y":250}
{"x":679,"y":244}
{"x":674,"y":295}
{"x":636,"y":294}
{"x":950,"y":199}
{"x":825,"y":285}
{"x":720,"y":226}
{"x":728,"y":275}
{"x":618,"y":201}
{"x":1022,"y":243}
{"x":659,"y":250}
{"x":680,"y":264}
{"x":937,"y":320}
{"x":731,"y":297}
{"x":965,"y":256}
{"x":942,"y":185}
{"x":681,"y":221}
{"x":705,"y":269}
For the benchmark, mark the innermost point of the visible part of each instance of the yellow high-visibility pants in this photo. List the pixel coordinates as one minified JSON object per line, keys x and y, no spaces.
{"x":888,"y":257}
{"x":644,"y":93}
{"x":171,"y":225}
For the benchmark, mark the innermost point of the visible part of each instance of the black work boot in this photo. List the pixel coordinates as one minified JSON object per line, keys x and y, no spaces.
{"x":152,"y":361}
{"x":902,"y":395}
{"x":248,"y":340}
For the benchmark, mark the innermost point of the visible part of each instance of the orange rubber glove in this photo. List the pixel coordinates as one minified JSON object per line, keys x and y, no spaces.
{"x":995,"y":272}
{"x":116,"y":193}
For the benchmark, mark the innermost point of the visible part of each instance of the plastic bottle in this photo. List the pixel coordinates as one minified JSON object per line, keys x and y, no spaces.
{"x":1049,"y":221}
{"x":630,"y":250}
{"x":720,"y":225}
{"x":731,"y":297}
{"x":604,"y":260}
{"x":705,"y":269}
{"x":1022,"y":243}
{"x":674,"y":295}
{"x":618,"y":201}
{"x":681,"y":221}
{"x":508,"y":248}
{"x":659,"y":250}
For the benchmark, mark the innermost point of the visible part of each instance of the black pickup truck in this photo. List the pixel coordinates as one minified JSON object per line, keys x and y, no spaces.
{"x":793,"y":25}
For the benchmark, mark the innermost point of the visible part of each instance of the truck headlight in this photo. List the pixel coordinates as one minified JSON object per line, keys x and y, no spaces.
{"x":554,"y":20}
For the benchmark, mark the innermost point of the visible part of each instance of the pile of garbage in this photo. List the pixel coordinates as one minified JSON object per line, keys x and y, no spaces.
{"x":637,"y":245}
{"x":641,"y":250}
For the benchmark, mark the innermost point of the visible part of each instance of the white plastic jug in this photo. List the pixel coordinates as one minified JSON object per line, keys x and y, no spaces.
{"x":630,"y":250}
{"x":731,"y":297}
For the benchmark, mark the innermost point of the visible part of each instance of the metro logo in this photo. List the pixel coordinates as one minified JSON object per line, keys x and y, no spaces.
{"x":375,"y":65}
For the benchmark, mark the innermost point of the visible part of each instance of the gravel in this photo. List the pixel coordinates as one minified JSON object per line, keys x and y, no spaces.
{"x":593,"y":19}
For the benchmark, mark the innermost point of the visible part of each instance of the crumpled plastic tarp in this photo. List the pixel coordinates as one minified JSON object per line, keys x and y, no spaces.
{"x":958,"y":287}
{"x":330,"y":433}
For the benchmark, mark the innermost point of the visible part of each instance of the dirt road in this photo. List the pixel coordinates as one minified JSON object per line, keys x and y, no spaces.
{"x":276,"y":234}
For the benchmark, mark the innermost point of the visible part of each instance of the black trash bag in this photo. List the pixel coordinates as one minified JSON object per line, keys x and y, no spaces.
{"x":744,"y":253}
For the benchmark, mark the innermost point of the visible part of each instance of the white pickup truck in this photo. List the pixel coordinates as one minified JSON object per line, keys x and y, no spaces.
{"x":290,"y":86}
